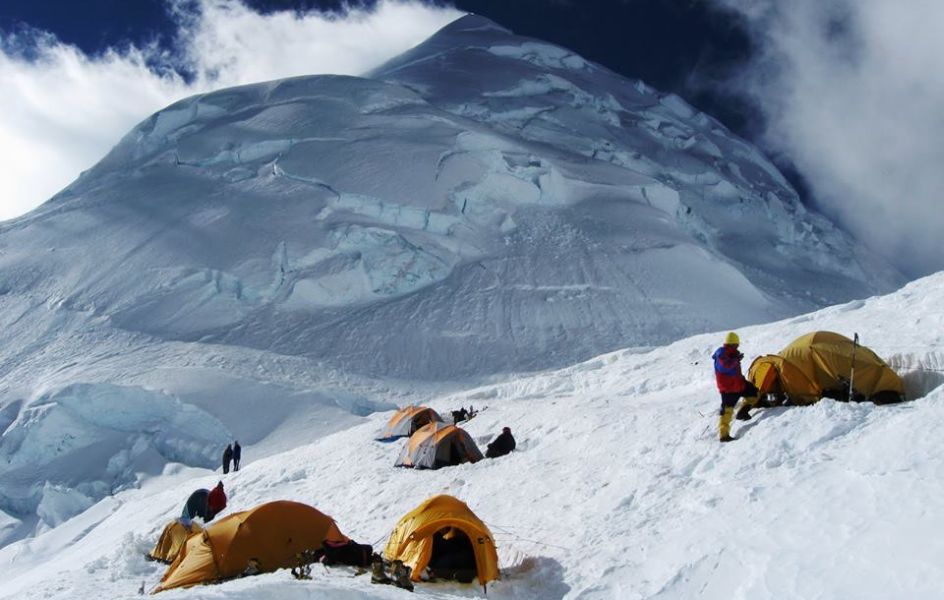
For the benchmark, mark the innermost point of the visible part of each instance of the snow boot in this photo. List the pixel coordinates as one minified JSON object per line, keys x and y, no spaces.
{"x":377,"y":574}
{"x":727,"y":438}
{"x":724,"y":422}
{"x":401,"y":576}
{"x":743,"y":414}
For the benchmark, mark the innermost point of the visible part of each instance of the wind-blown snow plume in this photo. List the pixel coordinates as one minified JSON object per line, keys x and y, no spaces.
{"x":853,"y":91}
{"x":63,"y":109}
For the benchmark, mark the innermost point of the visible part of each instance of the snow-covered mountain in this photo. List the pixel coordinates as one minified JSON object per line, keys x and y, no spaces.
{"x":483,"y":203}
{"x":277,"y":261}
{"x":618,"y":488}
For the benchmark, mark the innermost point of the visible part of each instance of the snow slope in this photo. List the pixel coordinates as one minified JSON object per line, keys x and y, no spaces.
{"x":618,"y":488}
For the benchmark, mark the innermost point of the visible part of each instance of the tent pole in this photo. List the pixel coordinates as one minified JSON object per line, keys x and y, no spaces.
{"x":855,"y":343}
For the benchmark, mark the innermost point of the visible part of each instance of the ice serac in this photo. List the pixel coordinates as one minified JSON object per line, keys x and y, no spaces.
{"x":483,"y":203}
{"x":598,"y":127}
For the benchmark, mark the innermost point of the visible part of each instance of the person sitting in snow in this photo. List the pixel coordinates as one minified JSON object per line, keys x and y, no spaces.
{"x":205,"y":504}
{"x":227,"y":457}
{"x":732,"y":385}
{"x":501,"y":445}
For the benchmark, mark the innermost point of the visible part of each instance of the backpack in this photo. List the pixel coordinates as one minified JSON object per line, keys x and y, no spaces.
{"x":346,"y":553}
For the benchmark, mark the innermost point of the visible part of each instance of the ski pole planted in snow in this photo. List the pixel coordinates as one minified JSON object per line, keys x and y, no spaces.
{"x":855,"y":343}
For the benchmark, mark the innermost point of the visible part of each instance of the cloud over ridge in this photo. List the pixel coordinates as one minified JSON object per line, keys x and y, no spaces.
{"x":853,"y":90}
{"x":63,"y":109}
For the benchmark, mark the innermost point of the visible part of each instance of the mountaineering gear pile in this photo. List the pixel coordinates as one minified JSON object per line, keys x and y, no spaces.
{"x":260,"y":540}
{"x":820,"y":365}
{"x":348,"y":553}
{"x":377,"y":574}
{"x":402,"y":575}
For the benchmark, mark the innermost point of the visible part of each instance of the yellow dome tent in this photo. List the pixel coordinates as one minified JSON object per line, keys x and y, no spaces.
{"x":438,"y":445}
{"x":414,"y":539}
{"x":407,"y":420}
{"x":819,"y":365}
{"x":263,"y":539}
{"x":172,"y":540}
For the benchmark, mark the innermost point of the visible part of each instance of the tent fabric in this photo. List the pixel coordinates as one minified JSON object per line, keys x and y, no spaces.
{"x":819,"y":364}
{"x":436,"y":445}
{"x":772,"y":374}
{"x":412,"y":539}
{"x":270,"y":535}
{"x":407,"y":420}
{"x":172,"y":539}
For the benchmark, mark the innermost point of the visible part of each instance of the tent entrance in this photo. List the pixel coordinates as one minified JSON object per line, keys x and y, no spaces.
{"x":449,"y":454}
{"x":453,"y":556}
{"x":420,"y":420}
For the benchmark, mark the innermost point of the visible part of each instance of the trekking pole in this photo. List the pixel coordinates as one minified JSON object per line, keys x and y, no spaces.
{"x":855,"y":342}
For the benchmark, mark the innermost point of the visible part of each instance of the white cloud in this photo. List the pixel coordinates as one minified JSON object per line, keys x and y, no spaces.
{"x":854,"y":90}
{"x":63,"y":110}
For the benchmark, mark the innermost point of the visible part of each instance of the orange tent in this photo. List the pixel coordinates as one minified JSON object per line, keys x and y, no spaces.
{"x":407,"y":420}
{"x":263,"y":539}
{"x":820,"y":365}
{"x":438,"y":445}
{"x":773,"y":374}
{"x":173,"y":537}
{"x":413,"y":540}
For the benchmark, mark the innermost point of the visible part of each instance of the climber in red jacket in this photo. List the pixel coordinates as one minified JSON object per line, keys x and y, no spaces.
{"x":732,"y":385}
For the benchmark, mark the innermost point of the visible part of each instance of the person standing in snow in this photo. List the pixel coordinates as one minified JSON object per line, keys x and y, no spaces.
{"x":732,"y":385}
{"x":502,"y":445}
{"x":205,"y":504}
{"x":237,"y":454}
{"x":227,"y":457}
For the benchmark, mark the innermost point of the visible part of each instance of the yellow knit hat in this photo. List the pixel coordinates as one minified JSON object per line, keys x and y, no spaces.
{"x":732,"y":339}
